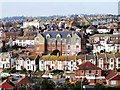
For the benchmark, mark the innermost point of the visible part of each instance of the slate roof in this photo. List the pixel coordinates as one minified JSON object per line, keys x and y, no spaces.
{"x":91,"y":27}
{"x":23,"y":57}
{"x":88,"y":57}
{"x":62,"y":33}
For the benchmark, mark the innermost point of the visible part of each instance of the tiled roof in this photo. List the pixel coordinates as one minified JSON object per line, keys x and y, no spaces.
{"x":108,"y":35}
{"x":63,"y":34}
{"x":7,"y":85}
{"x":32,"y":56}
{"x":45,"y":57}
{"x":88,"y":66}
{"x":23,"y":78}
{"x":117,"y":55}
{"x":110,"y":55}
{"x":62,"y":58}
{"x":25,"y":37}
{"x":101,"y":56}
{"x":80,"y":57}
{"x":53,"y":57}
{"x":116,"y":77}
{"x":111,"y":74}
{"x":71,"y":58}
{"x":91,"y":27}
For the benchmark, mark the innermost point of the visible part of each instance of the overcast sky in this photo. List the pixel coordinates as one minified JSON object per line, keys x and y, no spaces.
{"x":58,"y":7}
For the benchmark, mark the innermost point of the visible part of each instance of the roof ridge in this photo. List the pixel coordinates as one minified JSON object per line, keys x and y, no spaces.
{"x":114,"y":76}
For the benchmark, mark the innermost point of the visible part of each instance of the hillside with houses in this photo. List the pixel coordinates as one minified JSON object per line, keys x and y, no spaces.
{"x":64,"y":51}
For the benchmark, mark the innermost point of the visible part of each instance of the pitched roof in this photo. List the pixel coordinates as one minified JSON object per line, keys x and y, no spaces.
{"x":7,"y":85}
{"x":23,"y":78}
{"x":71,"y":57}
{"x":116,"y":77}
{"x":117,"y":55}
{"x":108,"y":35}
{"x":25,"y":37}
{"x":32,"y":56}
{"x":110,"y":55}
{"x":111,"y":74}
{"x":88,"y":66}
{"x":80,"y":57}
{"x":45,"y":57}
{"x":53,"y":57}
{"x":62,"y":58}
{"x":88,"y":57}
{"x":63,"y":34}
{"x":101,"y":56}
{"x":91,"y":27}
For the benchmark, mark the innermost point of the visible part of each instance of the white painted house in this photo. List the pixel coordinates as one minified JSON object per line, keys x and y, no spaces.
{"x":102,"y":29}
{"x":24,"y":41}
{"x":34,"y":23}
{"x":57,"y":63}
{"x":30,"y":62}
{"x":5,"y":60}
{"x":20,"y":62}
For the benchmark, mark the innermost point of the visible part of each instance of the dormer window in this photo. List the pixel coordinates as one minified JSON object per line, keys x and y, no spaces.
{"x":47,"y":36}
{"x":58,"y":36}
{"x":68,"y":39}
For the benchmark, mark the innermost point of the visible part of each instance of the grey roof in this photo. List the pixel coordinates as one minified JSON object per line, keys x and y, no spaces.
{"x":24,"y":57}
{"x":62,"y":33}
{"x":88,"y":57}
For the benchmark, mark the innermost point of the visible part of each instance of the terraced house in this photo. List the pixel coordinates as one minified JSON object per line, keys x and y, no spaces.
{"x":5,"y":60}
{"x":29,"y":62}
{"x":67,"y":63}
{"x":105,"y":43}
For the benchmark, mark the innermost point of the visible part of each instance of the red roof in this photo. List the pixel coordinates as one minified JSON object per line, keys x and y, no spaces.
{"x":7,"y":85}
{"x":88,"y":66}
{"x":111,"y":74}
{"x":116,"y":77}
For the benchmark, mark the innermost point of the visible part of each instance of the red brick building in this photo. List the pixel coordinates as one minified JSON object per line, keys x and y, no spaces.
{"x":91,"y":72}
{"x":39,"y":44}
{"x":67,"y":42}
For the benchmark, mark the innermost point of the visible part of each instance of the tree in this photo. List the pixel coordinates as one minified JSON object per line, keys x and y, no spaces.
{"x":69,"y":86}
{"x":85,"y":81}
{"x":55,"y":52}
{"x":99,"y":86}
{"x":78,"y":85}
{"x":48,"y":84}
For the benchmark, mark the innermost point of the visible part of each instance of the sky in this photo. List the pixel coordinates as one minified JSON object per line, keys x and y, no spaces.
{"x":10,"y":8}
